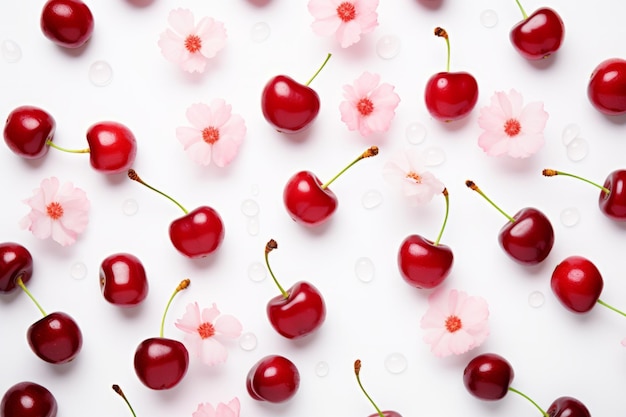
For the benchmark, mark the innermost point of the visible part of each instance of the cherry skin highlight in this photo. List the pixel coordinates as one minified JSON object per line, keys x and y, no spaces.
{"x":15,"y":262}
{"x":274,"y":379}
{"x":27,"y":131}
{"x":577,"y":283}
{"x":68,"y":23}
{"x":28,"y":399}
{"x":423,"y":264}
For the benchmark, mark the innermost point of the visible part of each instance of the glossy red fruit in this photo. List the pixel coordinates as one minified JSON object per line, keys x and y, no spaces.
{"x":289,"y":106}
{"x":568,"y":407}
{"x":613,"y":204}
{"x":529,"y":239}
{"x":577,"y":283}
{"x":26,"y":131}
{"x":123,"y":280}
{"x":451,"y":96}
{"x":488,"y":376}
{"x":539,"y":35}
{"x":112,"y":147}
{"x":299,"y":314}
{"x":28,"y":399}
{"x":274,"y":379}
{"x":306,"y":201}
{"x":68,"y":23}
{"x":423,"y":264}
{"x":161,"y":363}
{"x":607,"y":87}
{"x":15,"y":262}
{"x":55,"y":338}
{"x":198,"y":233}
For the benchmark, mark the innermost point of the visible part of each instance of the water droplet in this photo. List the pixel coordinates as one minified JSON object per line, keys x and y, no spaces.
{"x":577,"y":149}
{"x":489,"y":18}
{"x":247,"y":341}
{"x":11,"y":51}
{"x":78,"y":270}
{"x":130,"y":207}
{"x":253,"y":226}
{"x":249,"y":208}
{"x":260,"y":32}
{"x":570,"y":132}
{"x":364,"y":269}
{"x":100,"y":73}
{"x":536,"y":299}
{"x":415,"y":133}
{"x":570,"y":217}
{"x":257,"y":272}
{"x":434,"y":157}
{"x":321,"y":369}
{"x":254,"y":189}
{"x":396,"y":363}
{"x":371,"y":199}
{"x":388,"y":47}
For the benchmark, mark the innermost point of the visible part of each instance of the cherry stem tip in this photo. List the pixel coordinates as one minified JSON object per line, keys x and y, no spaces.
{"x":270,"y":246}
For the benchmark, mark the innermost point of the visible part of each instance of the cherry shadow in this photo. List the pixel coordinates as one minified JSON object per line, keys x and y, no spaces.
{"x":544,"y":63}
{"x":259,"y":3}
{"x":140,"y":3}
{"x":618,"y":119}
{"x":431,"y":4}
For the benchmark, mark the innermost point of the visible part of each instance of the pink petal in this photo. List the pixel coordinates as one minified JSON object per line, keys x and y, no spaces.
{"x":234,"y":129}
{"x":348,"y":33}
{"x":190,"y":321}
{"x":326,"y":27}
{"x":182,"y":21}
{"x":493,"y":144}
{"x":172,"y":46}
{"x":460,"y":342}
{"x":194,"y":63}
{"x":349,"y":115}
{"x":234,"y":405}
{"x":224,"y":151}
{"x":533,"y":118}
{"x":188,"y":136}
{"x":220,"y":113}
{"x":210,"y":314}
{"x":201,"y":153}
{"x":204,"y":410}
{"x":61,"y":235}
{"x":41,"y":226}
{"x":228,"y":410}
{"x":200,"y":115}
{"x":212,"y":352}
{"x":323,"y":9}
{"x":365,"y":84}
{"x":504,"y":103}
{"x":228,"y":326}
{"x":213,"y":36}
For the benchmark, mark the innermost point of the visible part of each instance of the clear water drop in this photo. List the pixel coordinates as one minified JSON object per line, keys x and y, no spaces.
{"x":249,"y":208}
{"x":253,"y":226}
{"x":260,"y":32}
{"x":372,"y":199}
{"x":364,"y":269}
{"x":434,"y":157}
{"x":388,"y":47}
{"x":489,"y":18}
{"x":78,"y":270}
{"x":254,"y":189}
{"x":247,"y":341}
{"x":415,"y":133}
{"x":577,"y":149}
{"x":570,"y":132}
{"x":321,"y":369}
{"x":100,"y":73}
{"x":396,"y":363}
{"x":257,"y":272}
{"x":536,"y":299}
{"x":570,"y":217}
{"x":11,"y":51}
{"x":130,"y":207}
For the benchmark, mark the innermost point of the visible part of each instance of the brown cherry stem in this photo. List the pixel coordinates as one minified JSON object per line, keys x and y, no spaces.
{"x":270,"y":246}
{"x":473,"y":186}
{"x":441,"y":32}
{"x":119,"y":392}
{"x":183,"y":285}
{"x":357,"y":371}
{"x":132,"y":174}
{"x":371,"y":151}
{"x":318,"y":70}
{"x":445,"y":218}
{"x":21,"y":284}
{"x":543,"y":413}
{"x":51,"y":144}
{"x":554,"y":173}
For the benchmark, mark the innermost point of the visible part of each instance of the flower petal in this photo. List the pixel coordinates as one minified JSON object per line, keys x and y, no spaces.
{"x":228,"y":326}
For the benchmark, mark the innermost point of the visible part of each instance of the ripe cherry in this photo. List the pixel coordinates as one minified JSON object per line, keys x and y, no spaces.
{"x":274,"y":379}
{"x":379,"y":413}
{"x":607,"y":87}
{"x":68,"y":23}
{"x":15,"y":262}
{"x":28,"y":399}
{"x":568,"y":407}
{"x":123,"y":280}
{"x":28,"y":131}
{"x":308,"y":201}
{"x":112,"y":147}
{"x":539,"y":35}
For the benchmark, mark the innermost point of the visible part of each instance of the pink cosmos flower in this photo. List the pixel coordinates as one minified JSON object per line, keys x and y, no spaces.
{"x":369,"y":106}
{"x":405,"y":171}
{"x":455,"y":322}
{"x":190,"y":45}
{"x":215,"y":135}
{"x":511,"y":128}
{"x":206,"y":330}
{"x":57,"y":211}
{"x":222,"y":410}
{"x":346,"y":19}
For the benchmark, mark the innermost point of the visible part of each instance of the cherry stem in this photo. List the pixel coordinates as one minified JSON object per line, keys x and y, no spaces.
{"x":543,"y":413}
{"x":119,"y":392}
{"x":357,"y":370}
{"x":318,"y":70}
{"x":21,"y":284}
{"x":522,"y":9}
{"x":471,"y":185}
{"x":371,"y":151}
{"x":183,"y":284}
{"x":55,"y":146}
{"x":135,"y":177}
{"x":610,"y":307}
{"x":441,"y":32}
{"x":553,"y":173}
{"x":270,"y":246}
{"x":445,"y":218}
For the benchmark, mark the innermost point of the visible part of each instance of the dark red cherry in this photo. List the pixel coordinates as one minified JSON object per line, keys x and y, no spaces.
{"x":577,"y":283}
{"x":538,"y":35}
{"x":27,"y":131}
{"x":28,"y":399}
{"x":488,"y":376}
{"x":15,"y":262}
{"x":606,"y":89}
{"x":274,"y":379}
{"x":161,"y":363}
{"x":55,"y":338}
{"x":123,"y":280}
{"x":68,"y":23}
{"x":112,"y":147}
{"x":568,"y":407}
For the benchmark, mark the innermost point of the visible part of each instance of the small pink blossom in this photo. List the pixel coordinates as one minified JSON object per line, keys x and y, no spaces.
{"x":190,"y":45}
{"x":455,"y":322}
{"x":57,"y":211}
{"x":511,"y":128}
{"x":346,"y":19}
{"x":222,"y":410}
{"x":405,"y":171}
{"x":206,"y":331}
{"x":215,"y":133}
{"x":369,"y":106}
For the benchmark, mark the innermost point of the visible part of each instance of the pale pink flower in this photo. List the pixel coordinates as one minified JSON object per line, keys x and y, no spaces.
{"x":215,"y":133}
{"x":57,"y":211}
{"x":222,"y":410}
{"x":190,"y":45}
{"x":206,"y":330}
{"x":455,"y":322}
{"x":369,"y":106}
{"x":346,"y":19}
{"x":405,"y":170}
{"x":510,"y":127}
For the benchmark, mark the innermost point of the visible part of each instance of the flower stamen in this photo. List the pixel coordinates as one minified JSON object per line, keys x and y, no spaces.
{"x":54,"y":210}
{"x":210,"y":135}
{"x":365,"y":106}
{"x":512,"y":127}
{"x":193,"y":43}
{"x":346,"y":11}
{"x":412,"y":175}
{"x":206,"y":330}
{"x":453,"y":324}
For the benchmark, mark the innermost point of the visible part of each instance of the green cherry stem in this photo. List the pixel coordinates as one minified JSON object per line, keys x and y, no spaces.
{"x":357,"y":371}
{"x":135,"y":177}
{"x":543,"y":413}
{"x":119,"y":392}
{"x":445,"y":218}
{"x":371,"y":151}
{"x":522,"y":9}
{"x":318,"y":70}
{"x":21,"y":284}
{"x":610,"y":307}
{"x":473,"y":186}
{"x":183,"y":284}
{"x":554,"y":173}
{"x":441,"y":32}
{"x":51,"y":144}
{"x":270,"y":246}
